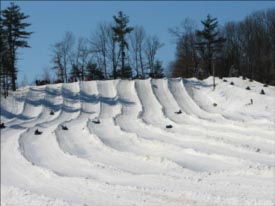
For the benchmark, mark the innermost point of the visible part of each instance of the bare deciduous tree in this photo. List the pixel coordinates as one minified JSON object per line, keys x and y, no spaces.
{"x":186,"y":61}
{"x":99,"y":44}
{"x":137,"y":39}
{"x":152,"y":45}
{"x":80,"y":57}
{"x":62,"y":53}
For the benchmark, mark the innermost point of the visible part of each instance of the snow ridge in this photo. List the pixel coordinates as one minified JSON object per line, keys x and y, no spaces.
{"x":212,"y":155}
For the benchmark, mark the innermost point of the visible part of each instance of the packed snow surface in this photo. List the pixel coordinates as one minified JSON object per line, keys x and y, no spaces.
{"x":219,"y":151}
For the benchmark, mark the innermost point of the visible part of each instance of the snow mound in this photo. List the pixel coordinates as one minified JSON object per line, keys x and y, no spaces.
{"x":119,"y":150}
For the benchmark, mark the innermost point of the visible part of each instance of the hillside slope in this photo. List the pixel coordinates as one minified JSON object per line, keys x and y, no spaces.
{"x":212,"y":155}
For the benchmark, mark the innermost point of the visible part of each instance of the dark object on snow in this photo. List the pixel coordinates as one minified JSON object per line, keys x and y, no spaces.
{"x":215,"y":104}
{"x":178,"y":112}
{"x":224,"y":80}
{"x":169,"y":126}
{"x":262,"y":91}
{"x":232,"y":83}
{"x":251,"y":101}
{"x":58,"y":81}
{"x":51,"y":113}
{"x":96,"y":121}
{"x":251,"y":80}
{"x":64,"y":127}
{"x":2,"y":126}
{"x":37,"y":132}
{"x":258,"y":150}
{"x":248,"y":88}
{"x":244,"y":78}
{"x":265,"y":85}
{"x":41,"y":82}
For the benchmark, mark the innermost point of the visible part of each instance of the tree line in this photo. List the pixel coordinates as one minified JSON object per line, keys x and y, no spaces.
{"x":113,"y":50}
{"x":117,"y":50}
{"x":245,"y":48}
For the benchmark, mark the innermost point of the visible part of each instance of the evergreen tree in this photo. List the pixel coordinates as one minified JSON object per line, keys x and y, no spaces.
{"x":93,"y":72}
{"x":14,"y":27}
{"x":75,"y":73}
{"x":127,"y":72}
{"x":157,"y":70}
{"x":121,"y":30}
{"x":209,"y":41}
{"x":3,"y":61}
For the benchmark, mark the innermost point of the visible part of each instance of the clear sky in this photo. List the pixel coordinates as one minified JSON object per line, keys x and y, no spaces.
{"x":51,"y":19}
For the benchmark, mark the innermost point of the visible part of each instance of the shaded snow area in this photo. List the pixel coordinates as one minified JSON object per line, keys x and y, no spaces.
{"x":219,"y":151}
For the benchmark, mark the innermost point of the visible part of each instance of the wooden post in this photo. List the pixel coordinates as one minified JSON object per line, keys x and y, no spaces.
{"x":213,"y":71}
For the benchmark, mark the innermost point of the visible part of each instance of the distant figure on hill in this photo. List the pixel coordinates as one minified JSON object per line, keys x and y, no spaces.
{"x":178,"y":112}
{"x":251,"y":101}
{"x":37,"y":132}
{"x":233,"y":72}
{"x":198,"y":72}
{"x":64,"y":127}
{"x":2,"y":126}
{"x":96,"y":121}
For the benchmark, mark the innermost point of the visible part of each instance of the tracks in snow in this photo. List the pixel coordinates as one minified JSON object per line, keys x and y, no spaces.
{"x":131,"y":152}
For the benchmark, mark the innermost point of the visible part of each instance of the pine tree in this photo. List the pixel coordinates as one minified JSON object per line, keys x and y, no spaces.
{"x":157,"y":70}
{"x":14,"y":27}
{"x":210,"y":42}
{"x":3,"y":60}
{"x":93,"y":72}
{"x":128,"y":73}
{"x":75,"y":74}
{"x":121,"y":30}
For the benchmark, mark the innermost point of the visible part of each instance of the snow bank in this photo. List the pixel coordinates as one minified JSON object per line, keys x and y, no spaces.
{"x":219,"y":151}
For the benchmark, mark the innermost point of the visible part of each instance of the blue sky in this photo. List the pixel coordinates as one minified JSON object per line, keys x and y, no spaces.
{"x":50,"y":20}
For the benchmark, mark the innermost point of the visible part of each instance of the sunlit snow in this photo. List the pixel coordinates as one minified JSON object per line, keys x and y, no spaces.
{"x":219,"y":151}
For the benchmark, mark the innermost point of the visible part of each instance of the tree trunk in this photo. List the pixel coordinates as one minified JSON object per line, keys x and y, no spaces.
{"x":65,"y":72}
{"x":136,"y":60}
{"x":213,"y":72}
{"x":13,"y":69}
{"x":141,"y":63}
{"x":105,"y":67}
{"x":13,"y":81}
{"x":122,"y":62}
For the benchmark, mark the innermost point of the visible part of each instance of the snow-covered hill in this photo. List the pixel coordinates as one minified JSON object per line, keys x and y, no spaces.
{"x":212,"y":155}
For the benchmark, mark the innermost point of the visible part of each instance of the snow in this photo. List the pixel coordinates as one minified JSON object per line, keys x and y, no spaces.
{"x":213,"y":155}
